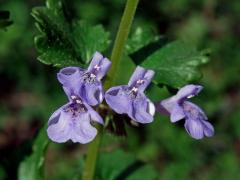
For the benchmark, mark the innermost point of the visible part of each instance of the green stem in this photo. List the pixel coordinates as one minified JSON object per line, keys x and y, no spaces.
{"x":118,"y":48}
{"x":120,"y":40}
{"x":92,"y":153}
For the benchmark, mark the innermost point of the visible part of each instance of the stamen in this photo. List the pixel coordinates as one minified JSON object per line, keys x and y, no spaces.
{"x":78,"y":101}
{"x":134,"y":89}
{"x":73,"y":97}
{"x":132,"y":92}
{"x":92,"y":76}
{"x":76,"y":107}
{"x":96,"y":67}
{"x":140,"y":81}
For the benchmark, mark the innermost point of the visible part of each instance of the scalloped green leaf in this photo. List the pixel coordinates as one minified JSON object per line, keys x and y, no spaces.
{"x":63,"y":40}
{"x":89,"y":39}
{"x":140,"y":37}
{"x":175,"y":64}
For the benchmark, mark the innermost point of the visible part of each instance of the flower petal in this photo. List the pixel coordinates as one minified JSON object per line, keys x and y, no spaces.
{"x":94,"y":115}
{"x":208,"y":129}
{"x":99,"y":65}
{"x":160,"y":108}
{"x":92,"y":93}
{"x":151,"y":108}
{"x":167,"y":105}
{"x":118,"y":100}
{"x":82,"y":131}
{"x":141,"y":110}
{"x":171,"y":107}
{"x":194,"y":128}
{"x":69,"y":77}
{"x":196,"y":121}
{"x":141,"y":74}
{"x":177,"y":114}
{"x":188,"y":91}
{"x":58,"y":128}
{"x":192,"y":111}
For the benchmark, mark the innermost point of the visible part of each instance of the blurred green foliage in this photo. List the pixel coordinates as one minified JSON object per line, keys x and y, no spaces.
{"x":175,"y":64}
{"x":32,"y":167}
{"x":4,"y":19}
{"x":30,"y":92}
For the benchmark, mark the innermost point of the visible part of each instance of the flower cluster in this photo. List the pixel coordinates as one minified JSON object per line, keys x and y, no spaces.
{"x":84,"y":89}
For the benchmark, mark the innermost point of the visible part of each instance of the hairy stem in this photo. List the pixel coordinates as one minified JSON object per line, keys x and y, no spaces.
{"x":119,"y":43}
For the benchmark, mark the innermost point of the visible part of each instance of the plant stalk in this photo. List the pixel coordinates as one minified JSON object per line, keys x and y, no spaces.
{"x":118,"y":48}
{"x":120,"y":40}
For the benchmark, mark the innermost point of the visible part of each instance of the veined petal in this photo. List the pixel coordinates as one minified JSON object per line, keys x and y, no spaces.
{"x":192,"y":111}
{"x":141,"y":76}
{"x":118,"y":100}
{"x":208,"y":129}
{"x":99,"y":65}
{"x":188,"y":91}
{"x":177,"y":113}
{"x":194,"y":128}
{"x":58,"y":128}
{"x":92,"y":93}
{"x":141,"y":110}
{"x":196,"y":121}
{"x":81,"y":129}
{"x":94,"y":116}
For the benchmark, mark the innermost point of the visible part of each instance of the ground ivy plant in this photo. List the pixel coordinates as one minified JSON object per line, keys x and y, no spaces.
{"x":88,"y":78}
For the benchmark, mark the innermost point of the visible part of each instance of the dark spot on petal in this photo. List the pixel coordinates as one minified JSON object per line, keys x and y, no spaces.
{"x":54,"y":120}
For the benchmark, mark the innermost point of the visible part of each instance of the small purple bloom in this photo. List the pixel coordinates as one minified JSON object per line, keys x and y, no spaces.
{"x":130,"y":99}
{"x":72,"y":121}
{"x":179,"y":108}
{"x":86,"y":83}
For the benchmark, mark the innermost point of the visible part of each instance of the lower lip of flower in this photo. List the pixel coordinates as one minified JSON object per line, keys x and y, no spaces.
{"x":76,"y":107}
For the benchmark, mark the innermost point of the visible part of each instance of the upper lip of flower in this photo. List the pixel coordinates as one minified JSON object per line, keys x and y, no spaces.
{"x":187,"y":92}
{"x":83,"y":88}
{"x":86,"y":83}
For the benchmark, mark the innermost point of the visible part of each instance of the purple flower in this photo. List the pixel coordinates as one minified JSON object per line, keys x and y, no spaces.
{"x":179,"y":108}
{"x":130,"y":99}
{"x":72,"y":121}
{"x":86,"y":83}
